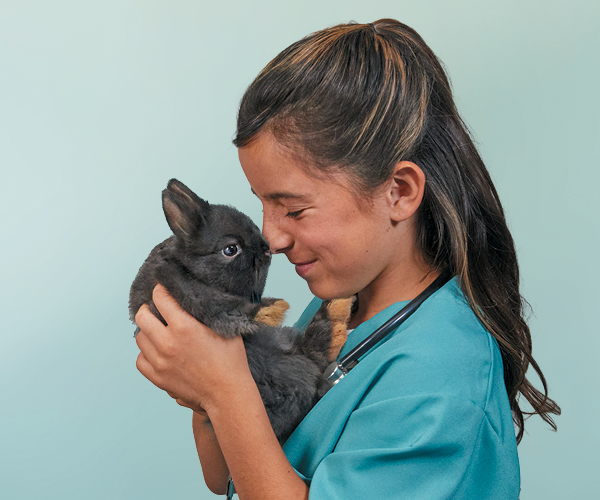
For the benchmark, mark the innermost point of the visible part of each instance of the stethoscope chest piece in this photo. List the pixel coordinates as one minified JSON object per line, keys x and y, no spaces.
{"x":331,"y":376}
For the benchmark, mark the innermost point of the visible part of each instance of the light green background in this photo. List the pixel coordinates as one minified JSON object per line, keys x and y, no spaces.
{"x":101,"y":103}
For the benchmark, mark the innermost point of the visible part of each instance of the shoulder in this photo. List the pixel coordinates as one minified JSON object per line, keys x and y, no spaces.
{"x":425,"y":413}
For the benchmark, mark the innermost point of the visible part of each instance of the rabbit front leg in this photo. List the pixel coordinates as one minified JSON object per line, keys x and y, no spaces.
{"x":269,"y":312}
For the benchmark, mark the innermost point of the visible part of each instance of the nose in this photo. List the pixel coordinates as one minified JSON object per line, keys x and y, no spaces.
{"x":279,"y":239}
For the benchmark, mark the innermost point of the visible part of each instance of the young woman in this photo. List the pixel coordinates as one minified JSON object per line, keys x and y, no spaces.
{"x":370,"y":185}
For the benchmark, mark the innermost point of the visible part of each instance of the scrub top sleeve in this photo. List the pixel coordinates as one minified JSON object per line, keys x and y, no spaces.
{"x":409,"y":447}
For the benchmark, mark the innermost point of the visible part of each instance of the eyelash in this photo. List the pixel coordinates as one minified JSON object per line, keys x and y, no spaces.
{"x":293,"y":215}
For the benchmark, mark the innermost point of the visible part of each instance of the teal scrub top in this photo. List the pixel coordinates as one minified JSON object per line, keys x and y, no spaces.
{"x":424,"y":414}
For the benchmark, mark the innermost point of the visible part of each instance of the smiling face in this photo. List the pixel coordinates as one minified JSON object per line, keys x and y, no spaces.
{"x":337,"y":246}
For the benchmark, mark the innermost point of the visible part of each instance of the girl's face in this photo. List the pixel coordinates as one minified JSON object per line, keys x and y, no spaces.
{"x":336,"y":246}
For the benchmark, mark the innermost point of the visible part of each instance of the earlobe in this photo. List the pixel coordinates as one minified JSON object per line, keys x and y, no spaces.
{"x":406,"y":188}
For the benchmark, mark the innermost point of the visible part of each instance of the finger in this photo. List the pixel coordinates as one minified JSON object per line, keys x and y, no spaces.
{"x":147,"y":348}
{"x":167,"y":306}
{"x":147,"y":322}
{"x":146,"y":369}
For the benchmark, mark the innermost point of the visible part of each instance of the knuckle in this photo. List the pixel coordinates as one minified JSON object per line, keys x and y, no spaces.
{"x":168,"y":347}
{"x":160,"y":366}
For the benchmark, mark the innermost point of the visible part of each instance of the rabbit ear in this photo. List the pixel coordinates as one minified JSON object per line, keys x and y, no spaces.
{"x":185,"y":211}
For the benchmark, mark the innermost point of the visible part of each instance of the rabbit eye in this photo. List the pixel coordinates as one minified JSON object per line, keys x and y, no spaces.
{"x":231,"y":250}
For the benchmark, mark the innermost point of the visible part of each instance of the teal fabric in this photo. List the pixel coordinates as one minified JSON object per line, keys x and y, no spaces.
{"x":307,"y":315}
{"x":424,"y":415}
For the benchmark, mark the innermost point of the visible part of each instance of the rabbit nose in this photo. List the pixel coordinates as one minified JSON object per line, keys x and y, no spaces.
{"x":268,"y":253}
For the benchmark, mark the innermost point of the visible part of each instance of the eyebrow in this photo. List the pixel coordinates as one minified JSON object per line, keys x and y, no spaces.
{"x":279,"y":195}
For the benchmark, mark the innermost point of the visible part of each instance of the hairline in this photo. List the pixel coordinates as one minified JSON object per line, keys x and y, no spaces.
{"x":335,"y":173}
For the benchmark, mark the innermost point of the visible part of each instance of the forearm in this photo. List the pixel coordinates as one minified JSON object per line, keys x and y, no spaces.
{"x":205,"y":371}
{"x":256,"y":462}
{"x":214,"y":467}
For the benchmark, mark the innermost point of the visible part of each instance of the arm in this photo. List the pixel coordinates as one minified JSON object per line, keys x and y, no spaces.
{"x":206,"y":372}
{"x":211,"y":458}
{"x":254,"y":454}
{"x":257,"y":463}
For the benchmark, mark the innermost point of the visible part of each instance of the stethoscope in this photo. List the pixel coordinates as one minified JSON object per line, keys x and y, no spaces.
{"x":337,"y":370}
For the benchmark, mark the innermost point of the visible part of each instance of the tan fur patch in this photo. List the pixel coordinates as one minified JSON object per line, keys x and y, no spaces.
{"x":273,"y":315}
{"x":339,"y":314}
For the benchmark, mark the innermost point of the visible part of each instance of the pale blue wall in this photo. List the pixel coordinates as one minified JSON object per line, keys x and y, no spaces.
{"x":101,"y":104}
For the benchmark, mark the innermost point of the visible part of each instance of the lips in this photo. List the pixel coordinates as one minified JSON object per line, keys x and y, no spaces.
{"x":302,"y":268}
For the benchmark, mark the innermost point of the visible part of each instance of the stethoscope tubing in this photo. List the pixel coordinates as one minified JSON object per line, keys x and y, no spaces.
{"x":230,"y":489}
{"x":339,"y":369}
{"x":350,"y":359}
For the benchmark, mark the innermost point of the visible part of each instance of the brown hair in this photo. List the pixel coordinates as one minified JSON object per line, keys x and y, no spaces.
{"x":361,"y":98}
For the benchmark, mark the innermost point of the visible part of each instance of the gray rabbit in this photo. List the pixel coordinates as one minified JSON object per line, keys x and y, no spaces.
{"x":215,"y":266}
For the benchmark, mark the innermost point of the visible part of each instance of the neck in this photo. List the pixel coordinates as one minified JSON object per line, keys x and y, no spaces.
{"x":404,"y":281}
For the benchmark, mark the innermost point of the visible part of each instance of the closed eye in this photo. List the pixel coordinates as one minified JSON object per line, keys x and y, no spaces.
{"x":294,"y":214}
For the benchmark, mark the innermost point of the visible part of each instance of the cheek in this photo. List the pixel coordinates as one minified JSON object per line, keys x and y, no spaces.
{"x":366,"y":246}
{"x":342,"y":245}
{"x":325,"y":236}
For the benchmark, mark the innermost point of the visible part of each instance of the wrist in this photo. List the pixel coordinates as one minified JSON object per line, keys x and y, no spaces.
{"x":231,"y":393}
{"x":200,"y":415}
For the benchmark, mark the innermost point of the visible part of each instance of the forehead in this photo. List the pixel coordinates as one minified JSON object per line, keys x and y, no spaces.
{"x":275,"y":174}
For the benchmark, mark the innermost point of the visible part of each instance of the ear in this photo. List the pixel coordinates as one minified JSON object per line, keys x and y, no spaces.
{"x":186,"y":213}
{"x":405,"y":190}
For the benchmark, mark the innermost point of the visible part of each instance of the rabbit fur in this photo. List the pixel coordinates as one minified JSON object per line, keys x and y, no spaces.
{"x":215,"y":266}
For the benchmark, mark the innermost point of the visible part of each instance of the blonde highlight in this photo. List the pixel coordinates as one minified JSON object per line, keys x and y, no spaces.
{"x":360,"y":98}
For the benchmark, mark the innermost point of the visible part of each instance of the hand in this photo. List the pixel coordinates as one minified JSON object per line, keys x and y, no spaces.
{"x":194,"y":365}
{"x":204,"y":371}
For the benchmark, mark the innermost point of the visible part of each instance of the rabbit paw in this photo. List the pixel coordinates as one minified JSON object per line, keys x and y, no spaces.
{"x":229,"y":325}
{"x":273,"y":312}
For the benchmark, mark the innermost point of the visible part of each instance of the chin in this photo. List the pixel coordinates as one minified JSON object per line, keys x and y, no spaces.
{"x":325,"y":292}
